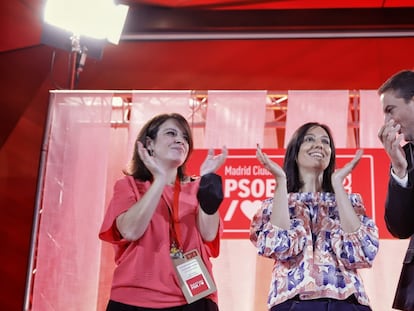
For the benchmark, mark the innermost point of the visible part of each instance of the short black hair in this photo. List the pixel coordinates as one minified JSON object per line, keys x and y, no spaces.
{"x":401,"y":84}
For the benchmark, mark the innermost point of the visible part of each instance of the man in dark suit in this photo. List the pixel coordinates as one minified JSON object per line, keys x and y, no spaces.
{"x":397,"y":98}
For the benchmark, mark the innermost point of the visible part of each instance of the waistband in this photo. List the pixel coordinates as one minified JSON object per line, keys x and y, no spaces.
{"x":351,"y":299}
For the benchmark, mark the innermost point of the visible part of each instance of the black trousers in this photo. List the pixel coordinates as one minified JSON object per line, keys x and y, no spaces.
{"x":203,"y":304}
{"x":404,"y":296}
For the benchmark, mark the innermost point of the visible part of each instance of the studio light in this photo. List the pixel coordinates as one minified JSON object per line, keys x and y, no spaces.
{"x":100,"y":19}
{"x":83,"y":27}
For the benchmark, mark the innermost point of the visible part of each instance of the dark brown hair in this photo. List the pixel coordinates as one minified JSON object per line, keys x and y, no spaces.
{"x":290,"y":165}
{"x":137,"y":168}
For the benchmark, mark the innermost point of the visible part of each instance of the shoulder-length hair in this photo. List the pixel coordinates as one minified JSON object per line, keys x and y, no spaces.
{"x":290,"y":165}
{"x":136,"y":167}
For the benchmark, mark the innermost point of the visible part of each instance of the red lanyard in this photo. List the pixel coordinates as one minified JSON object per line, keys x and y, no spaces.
{"x":175,"y":232}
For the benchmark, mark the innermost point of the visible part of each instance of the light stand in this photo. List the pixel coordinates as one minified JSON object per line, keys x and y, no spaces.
{"x":76,"y":50}
{"x":78,"y":59}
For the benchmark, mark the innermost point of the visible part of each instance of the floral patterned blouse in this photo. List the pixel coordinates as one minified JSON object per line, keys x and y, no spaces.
{"x":315,"y":258}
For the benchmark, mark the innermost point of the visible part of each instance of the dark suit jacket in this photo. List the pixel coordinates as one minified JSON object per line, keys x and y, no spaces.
{"x":399,"y":217}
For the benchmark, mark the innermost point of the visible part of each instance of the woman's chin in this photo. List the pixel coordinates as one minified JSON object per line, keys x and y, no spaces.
{"x":177,"y":162}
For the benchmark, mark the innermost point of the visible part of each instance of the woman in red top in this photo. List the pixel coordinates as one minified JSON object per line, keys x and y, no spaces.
{"x":157,"y":214}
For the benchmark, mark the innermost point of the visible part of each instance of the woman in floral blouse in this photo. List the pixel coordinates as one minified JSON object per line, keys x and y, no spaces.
{"x":317,"y":234}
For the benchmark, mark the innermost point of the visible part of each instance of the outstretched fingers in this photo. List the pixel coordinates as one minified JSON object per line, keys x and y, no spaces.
{"x":212,"y":161}
{"x":357,"y":158}
{"x":268,"y":164}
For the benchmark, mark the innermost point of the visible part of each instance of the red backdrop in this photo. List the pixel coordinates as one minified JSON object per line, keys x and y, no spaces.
{"x":246,"y":183}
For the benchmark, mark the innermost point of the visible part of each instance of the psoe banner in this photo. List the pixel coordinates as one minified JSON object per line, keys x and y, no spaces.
{"x":246,"y":184}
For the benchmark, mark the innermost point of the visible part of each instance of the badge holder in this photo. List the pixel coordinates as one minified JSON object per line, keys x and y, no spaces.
{"x":195,"y":281}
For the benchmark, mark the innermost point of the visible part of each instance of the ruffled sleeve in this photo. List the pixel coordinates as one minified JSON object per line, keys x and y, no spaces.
{"x":272,"y":241}
{"x":357,"y":249}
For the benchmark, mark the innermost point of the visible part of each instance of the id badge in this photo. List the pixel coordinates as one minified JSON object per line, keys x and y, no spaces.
{"x":195,"y":281}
